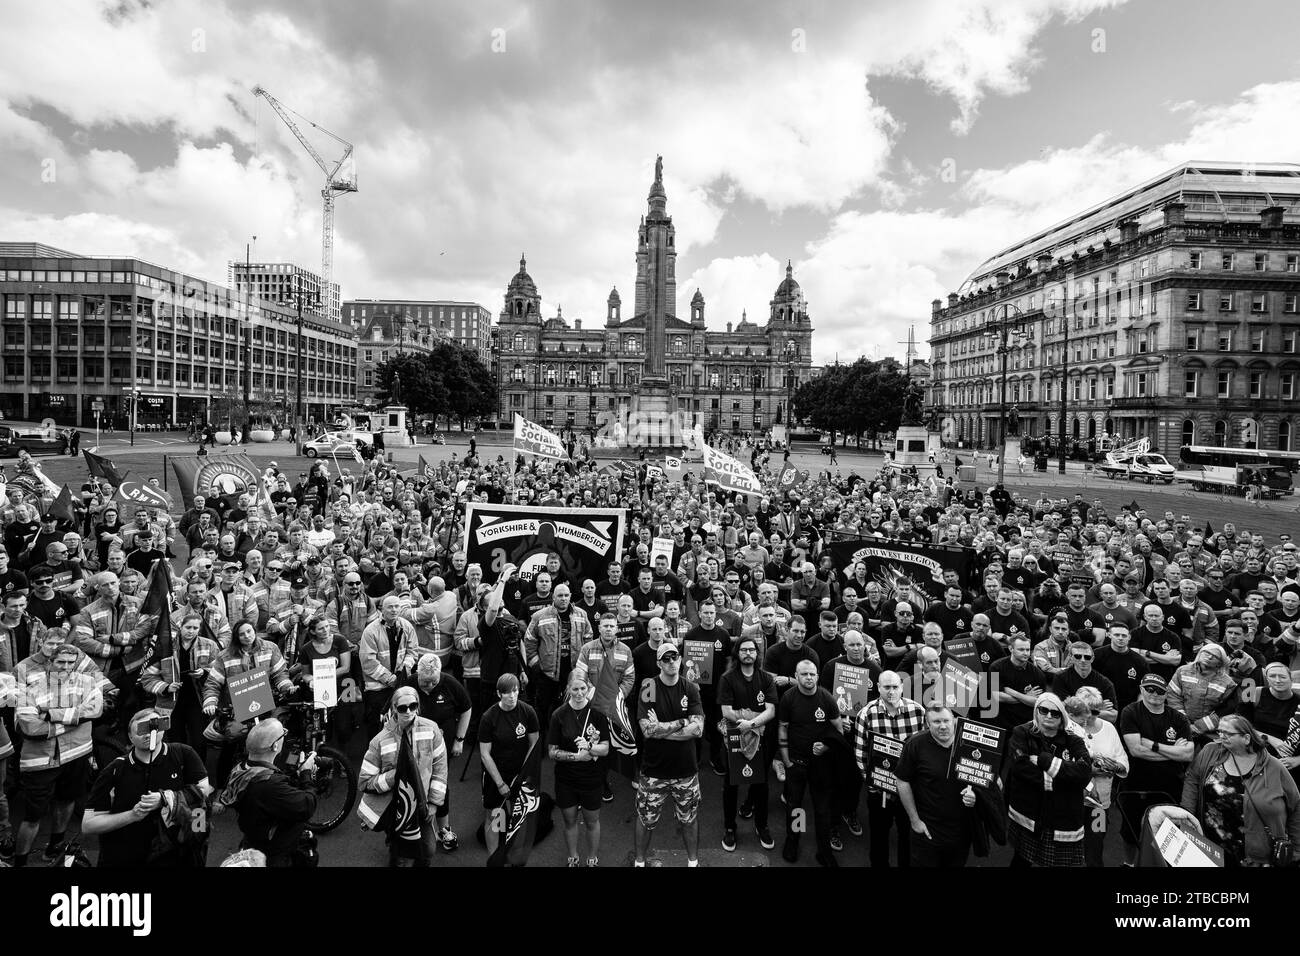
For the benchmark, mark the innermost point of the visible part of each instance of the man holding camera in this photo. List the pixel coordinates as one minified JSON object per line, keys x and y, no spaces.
{"x":273,"y":813}
{"x":154,"y":784}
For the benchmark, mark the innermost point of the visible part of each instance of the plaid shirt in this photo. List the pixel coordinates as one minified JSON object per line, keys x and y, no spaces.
{"x":874,"y":719}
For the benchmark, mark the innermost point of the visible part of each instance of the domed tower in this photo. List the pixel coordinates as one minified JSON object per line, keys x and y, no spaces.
{"x":788,"y":304}
{"x":697,"y":310}
{"x":523,"y":302}
{"x":614,"y":308}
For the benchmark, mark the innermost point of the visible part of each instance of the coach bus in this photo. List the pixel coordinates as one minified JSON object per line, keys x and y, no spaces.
{"x":1234,"y":470}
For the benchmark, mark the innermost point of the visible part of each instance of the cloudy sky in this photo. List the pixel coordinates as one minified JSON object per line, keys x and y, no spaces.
{"x":886,"y":147}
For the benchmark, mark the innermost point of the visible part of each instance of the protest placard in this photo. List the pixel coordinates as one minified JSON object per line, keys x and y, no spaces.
{"x":962,"y":650}
{"x":882,"y":758}
{"x":250,"y":694}
{"x":662,"y":546}
{"x":744,"y":756}
{"x":979,"y":752}
{"x":699,"y":657}
{"x":961,"y":686}
{"x":1183,"y":848}
{"x":852,"y":687}
{"x":324,"y":687}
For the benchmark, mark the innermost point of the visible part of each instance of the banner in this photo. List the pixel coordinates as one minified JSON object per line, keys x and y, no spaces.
{"x":728,"y":473}
{"x":143,"y":495}
{"x":533,"y":439}
{"x":250,"y":694}
{"x":324,"y":682}
{"x":882,"y":757}
{"x":961,"y":687}
{"x":895,"y":564}
{"x":979,"y":752}
{"x":217,"y":477}
{"x":672,"y":467}
{"x":654,"y":473}
{"x":586,"y":539}
{"x":852,"y":687}
{"x":962,"y":650}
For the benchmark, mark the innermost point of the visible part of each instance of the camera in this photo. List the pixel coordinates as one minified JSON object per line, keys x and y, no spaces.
{"x":161,"y":723}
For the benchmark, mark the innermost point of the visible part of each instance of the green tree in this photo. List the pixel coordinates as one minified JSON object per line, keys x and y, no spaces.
{"x":450,"y":381}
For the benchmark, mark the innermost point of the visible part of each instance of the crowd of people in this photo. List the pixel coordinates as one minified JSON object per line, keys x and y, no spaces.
{"x":1131,"y":660}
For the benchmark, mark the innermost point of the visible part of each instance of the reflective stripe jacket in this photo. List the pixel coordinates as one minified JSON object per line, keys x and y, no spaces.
{"x":233,"y":660}
{"x":1202,"y":700}
{"x":203,"y":655}
{"x":374,"y":651}
{"x":379,"y":768}
{"x":609,"y":672}
{"x":54,"y":714}
{"x":542,"y":641}
{"x":105,"y":630}
{"x":1045,"y":778}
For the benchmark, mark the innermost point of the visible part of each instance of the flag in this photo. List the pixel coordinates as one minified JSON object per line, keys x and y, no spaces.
{"x":1209,"y":530}
{"x":672,"y":467}
{"x":654,"y":473}
{"x":218,"y":477}
{"x":158,"y":600}
{"x":533,"y":439}
{"x":356,"y":455}
{"x":621,"y":738}
{"x":61,"y":507}
{"x":407,"y":808}
{"x":518,"y":817}
{"x":728,"y":473}
{"x":101,"y":467}
{"x":425,"y":468}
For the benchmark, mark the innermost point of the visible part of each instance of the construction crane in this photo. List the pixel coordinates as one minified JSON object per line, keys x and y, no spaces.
{"x":335,"y":182}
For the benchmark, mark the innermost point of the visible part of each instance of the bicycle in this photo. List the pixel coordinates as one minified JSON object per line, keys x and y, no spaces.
{"x":333,"y":779}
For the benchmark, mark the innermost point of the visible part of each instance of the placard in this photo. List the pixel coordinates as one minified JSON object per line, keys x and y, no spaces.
{"x":979,"y":752}
{"x":963,"y":651}
{"x":745,"y":760}
{"x":250,"y":694}
{"x":662,"y":546}
{"x":1183,"y":849}
{"x":699,"y":657}
{"x":324,"y":685}
{"x":961,"y":686}
{"x":883,"y":752}
{"x":852,"y":686}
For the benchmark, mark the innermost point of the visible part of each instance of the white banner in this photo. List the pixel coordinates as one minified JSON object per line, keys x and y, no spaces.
{"x":728,"y":473}
{"x":323,"y":677}
{"x":533,"y":439}
{"x":672,"y":467}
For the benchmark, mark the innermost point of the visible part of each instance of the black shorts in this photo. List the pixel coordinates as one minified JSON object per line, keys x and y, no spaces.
{"x":567,"y":795}
{"x":64,"y":784}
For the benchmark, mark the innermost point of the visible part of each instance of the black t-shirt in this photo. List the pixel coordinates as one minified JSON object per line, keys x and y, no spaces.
{"x":1161,"y":642}
{"x":1003,"y":675}
{"x":952,"y":621}
{"x":780,"y":660}
{"x":1219,"y":600}
{"x":1176,"y":616}
{"x":1081,"y":622}
{"x":121,"y":785}
{"x":445,"y":703}
{"x":721,"y":642}
{"x":1068,"y":682}
{"x":809,"y":718}
{"x":608,"y":594}
{"x":735,"y":691}
{"x":1007,"y":625}
{"x":566,"y":726}
{"x":1271,"y":715}
{"x":668,"y":759}
{"x":338,"y":647}
{"x":925,"y":766}
{"x":1125,"y":672}
{"x":12,"y":580}
{"x":56,"y":612}
{"x":1166,"y":727}
{"x":507,"y":732}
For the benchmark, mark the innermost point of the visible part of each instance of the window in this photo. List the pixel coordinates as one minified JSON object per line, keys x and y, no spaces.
{"x":1193,"y":340}
{"x":1259,"y":302}
{"x":1225,"y":301}
{"x":1225,"y":340}
{"x":1092,"y":389}
{"x":1191,"y":384}
{"x":1226,"y":261}
{"x":1288,"y":386}
{"x":1293,"y":263}
{"x":1257,"y":340}
{"x":1289,"y":341}
{"x":1223,"y":386}
{"x":1256,"y":384}
{"x":1141,"y":342}
{"x":369,"y":355}
{"x":1076,"y":390}
{"x":1189,"y":432}
{"x":1110,"y":386}
{"x":1261,"y":262}
{"x":1140,"y":384}
{"x":1194,"y":260}
{"x":1284,"y":436}
{"x":1194,"y":301}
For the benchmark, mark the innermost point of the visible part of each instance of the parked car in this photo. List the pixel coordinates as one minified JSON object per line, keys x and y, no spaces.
{"x":332,"y":444}
{"x":36,"y":441}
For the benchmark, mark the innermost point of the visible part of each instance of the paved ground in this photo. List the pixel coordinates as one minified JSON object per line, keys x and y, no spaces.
{"x":351,"y":846}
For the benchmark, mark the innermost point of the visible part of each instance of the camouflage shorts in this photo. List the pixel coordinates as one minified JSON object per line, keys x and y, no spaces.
{"x":653,"y":792}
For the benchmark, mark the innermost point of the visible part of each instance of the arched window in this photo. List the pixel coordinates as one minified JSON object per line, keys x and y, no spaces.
{"x":1221,"y":433}
{"x":1189,"y":432}
{"x":572,"y":375}
{"x":593,"y":377}
{"x":517,"y":373}
{"x":550,"y":375}
{"x":1074,"y":428}
{"x":1092,"y":428}
{"x":1284,"y":435}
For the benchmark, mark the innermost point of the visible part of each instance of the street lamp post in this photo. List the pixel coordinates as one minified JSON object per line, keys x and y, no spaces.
{"x":1001,"y":330}
{"x":790,"y":376}
{"x":248,"y":340}
{"x":1065,"y":349}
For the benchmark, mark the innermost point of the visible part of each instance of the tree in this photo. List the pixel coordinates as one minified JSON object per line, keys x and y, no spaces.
{"x":863,"y":398}
{"x":449,"y":381}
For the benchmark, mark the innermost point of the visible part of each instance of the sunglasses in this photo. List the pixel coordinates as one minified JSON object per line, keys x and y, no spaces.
{"x":1158,"y":691}
{"x":39,"y":582}
{"x":1048,"y":712}
{"x":406,"y":708}
{"x":275,"y":570}
{"x":1082,"y":657}
{"x":668,"y":657}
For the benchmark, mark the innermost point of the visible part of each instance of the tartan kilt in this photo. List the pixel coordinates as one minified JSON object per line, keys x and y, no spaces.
{"x":1043,"y":852}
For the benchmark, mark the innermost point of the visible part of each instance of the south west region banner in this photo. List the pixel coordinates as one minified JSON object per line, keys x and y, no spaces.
{"x":900,"y":565}
{"x":586,"y":539}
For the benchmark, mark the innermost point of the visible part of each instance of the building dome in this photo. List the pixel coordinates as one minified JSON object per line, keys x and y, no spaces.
{"x":698,"y":298}
{"x":788,"y":288}
{"x":522,"y":283}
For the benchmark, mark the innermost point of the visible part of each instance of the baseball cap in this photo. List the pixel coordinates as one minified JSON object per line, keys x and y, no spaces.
{"x":664,"y":648}
{"x":1154,"y":682}
{"x":298,"y":582}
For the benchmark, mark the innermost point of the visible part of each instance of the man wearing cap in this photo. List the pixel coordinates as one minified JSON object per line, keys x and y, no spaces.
{"x":272,"y":813}
{"x":671,"y":719}
{"x":1159,"y":744}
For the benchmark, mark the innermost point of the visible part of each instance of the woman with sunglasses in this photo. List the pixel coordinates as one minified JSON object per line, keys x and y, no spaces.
{"x":1243,"y":797}
{"x":405,"y":770}
{"x":1046,"y":772}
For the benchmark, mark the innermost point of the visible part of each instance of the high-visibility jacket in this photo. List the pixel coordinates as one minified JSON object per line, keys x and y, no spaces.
{"x":105,"y":629}
{"x":234,"y":660}
{"x":1201,"y":699}
{"x":203,"y":655}
{"x":349,"y":619}
{"x":237,"y":604}
{"x":542,"y":640}
{"x":54,"y":714}
{"x":378,"y":773}
{"x":609,"y":672}
{"x":374,"y":650}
